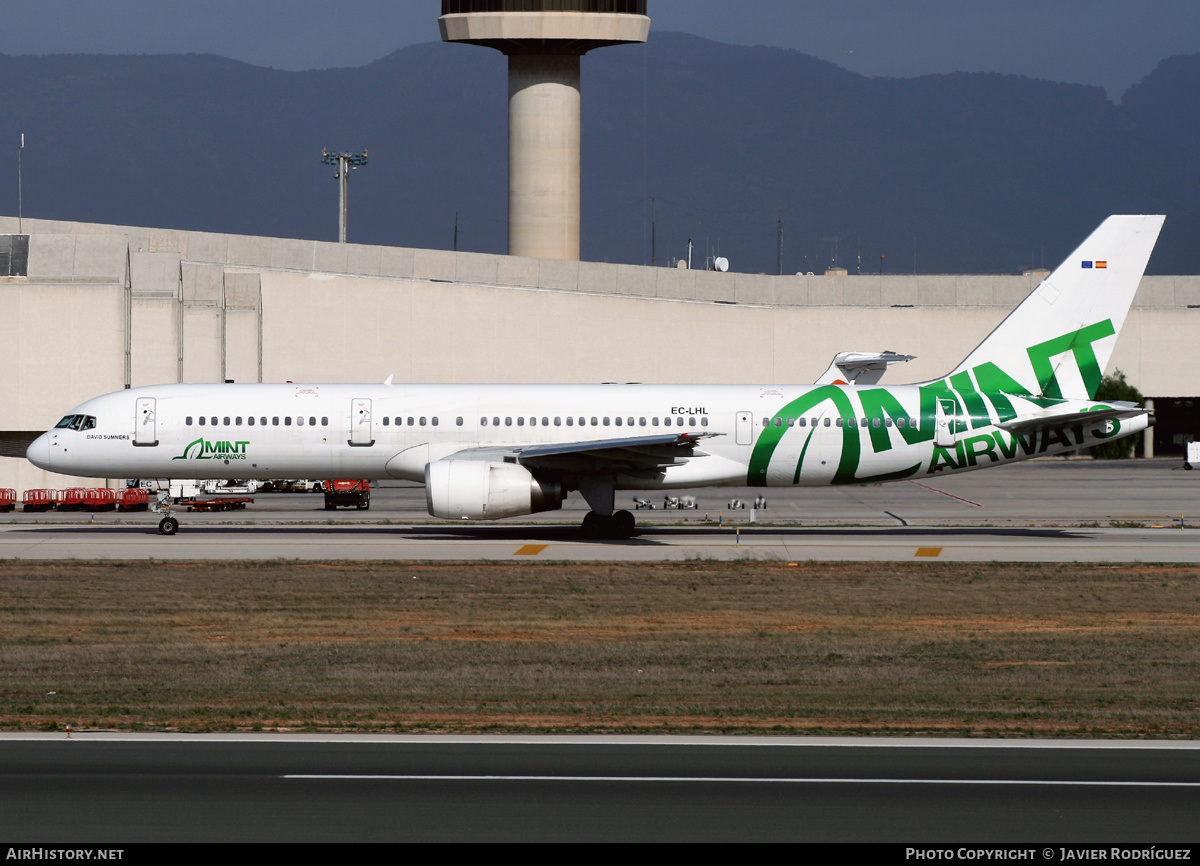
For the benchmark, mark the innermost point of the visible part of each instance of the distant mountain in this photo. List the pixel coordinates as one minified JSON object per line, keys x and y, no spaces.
{"x":945,"y":173}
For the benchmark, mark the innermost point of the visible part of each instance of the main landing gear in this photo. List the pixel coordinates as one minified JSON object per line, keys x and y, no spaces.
{"x":168,"y":526}
{"x":618,"y":526}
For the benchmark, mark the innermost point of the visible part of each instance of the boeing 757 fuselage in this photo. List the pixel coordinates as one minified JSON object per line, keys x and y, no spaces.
{"x":493,"y":451}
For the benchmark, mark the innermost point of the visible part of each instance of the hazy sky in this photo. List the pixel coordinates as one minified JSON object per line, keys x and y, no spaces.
{"x":1113,"y":43}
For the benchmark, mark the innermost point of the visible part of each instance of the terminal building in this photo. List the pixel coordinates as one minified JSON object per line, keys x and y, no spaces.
{"x":89,"y":309}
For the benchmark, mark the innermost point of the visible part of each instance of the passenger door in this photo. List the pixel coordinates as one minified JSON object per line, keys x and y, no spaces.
{"x":362,"y":430}
{"x":145,"y":425}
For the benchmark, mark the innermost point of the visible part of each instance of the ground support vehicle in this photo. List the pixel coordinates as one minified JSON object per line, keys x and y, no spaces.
{"x":182,"y":490}
{"x":224,"y":503}
{"x":229,"y":488}
{"x":349,"y":493}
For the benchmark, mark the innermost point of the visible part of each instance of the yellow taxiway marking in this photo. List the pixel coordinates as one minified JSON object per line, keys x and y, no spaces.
{"x":531,"y":549}
{"x":931,"y":552}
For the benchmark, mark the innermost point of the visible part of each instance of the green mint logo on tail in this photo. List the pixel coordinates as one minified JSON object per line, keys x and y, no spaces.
{"x":1021,"y":362}
{"x":995,"y":387}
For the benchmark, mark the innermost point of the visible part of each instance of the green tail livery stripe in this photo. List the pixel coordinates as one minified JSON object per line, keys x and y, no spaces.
{"x":1080,"y":345}
{"x":999,"y":386}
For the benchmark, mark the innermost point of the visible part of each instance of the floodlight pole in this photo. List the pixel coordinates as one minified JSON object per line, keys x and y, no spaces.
{"x":344,"y":162}
{"x":20,"y":190}
{"x":779,"y":245}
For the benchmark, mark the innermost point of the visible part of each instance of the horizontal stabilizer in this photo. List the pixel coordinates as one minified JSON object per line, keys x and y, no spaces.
{"x":860,"y":368}
{"x":1060,"y":420}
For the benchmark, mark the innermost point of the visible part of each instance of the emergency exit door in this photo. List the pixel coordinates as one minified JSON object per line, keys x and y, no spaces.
{"x":745,"y":428}
{"x":946,"y":423}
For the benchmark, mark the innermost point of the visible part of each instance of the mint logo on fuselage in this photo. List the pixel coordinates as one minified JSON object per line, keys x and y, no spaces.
{"x":202,"y":449}
{"x":982,"y":397}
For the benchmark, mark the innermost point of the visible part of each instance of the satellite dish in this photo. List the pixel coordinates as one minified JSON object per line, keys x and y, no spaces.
{"x":720,"y":263}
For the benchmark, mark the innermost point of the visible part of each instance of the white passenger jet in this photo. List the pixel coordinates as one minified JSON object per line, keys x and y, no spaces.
{"x":492,"y":451}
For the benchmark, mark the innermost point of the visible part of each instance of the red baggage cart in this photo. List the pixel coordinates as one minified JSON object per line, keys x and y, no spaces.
{"x":99,"y":499}
{"x":39,"y":500}
{"x":70,"y":499}
{"x":133,"y":499}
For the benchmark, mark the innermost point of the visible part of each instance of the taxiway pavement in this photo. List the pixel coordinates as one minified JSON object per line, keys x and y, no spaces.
{"x":1043,"y":511}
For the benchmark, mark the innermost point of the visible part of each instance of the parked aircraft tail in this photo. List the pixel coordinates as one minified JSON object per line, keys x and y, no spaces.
{"x":1057,"y":343}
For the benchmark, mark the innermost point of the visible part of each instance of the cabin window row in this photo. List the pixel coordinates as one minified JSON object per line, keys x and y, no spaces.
{"x":842,"y":422}
{"x":252,"y":421}
{"x":413,"y":421}
{"x":595,"y":421}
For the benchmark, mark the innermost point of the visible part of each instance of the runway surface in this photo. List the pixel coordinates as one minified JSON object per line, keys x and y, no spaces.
{"x":1044,"y":511}
{"x":131,"y":788}
{"x":567,"y":544}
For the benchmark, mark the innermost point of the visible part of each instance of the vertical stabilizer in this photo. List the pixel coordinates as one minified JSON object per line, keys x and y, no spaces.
{"x":1057,"y":343}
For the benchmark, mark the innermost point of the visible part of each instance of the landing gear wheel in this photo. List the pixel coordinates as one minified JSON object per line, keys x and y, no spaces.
{"x":591,"y":525}
{"x":616,"y":527}
{"x":168,"y":526}
{"x":623,"y":525}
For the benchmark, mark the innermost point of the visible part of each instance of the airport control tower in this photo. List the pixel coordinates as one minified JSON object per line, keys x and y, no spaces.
{"x":544,"y":40}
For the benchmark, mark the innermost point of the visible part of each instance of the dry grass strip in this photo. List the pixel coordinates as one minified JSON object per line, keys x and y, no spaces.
{"x":923,"y":648}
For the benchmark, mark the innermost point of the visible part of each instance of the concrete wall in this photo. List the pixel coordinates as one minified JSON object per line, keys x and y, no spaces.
{"x":105,"y":306}
{"x":429,"y":332}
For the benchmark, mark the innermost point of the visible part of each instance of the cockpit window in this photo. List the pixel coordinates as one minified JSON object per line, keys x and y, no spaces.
{"x":76,"y":422}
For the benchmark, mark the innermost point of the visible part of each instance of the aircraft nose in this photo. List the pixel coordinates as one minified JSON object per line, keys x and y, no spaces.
{"x":39,"y":452}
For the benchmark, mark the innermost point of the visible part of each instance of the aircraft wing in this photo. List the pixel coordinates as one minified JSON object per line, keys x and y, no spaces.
{"x":600,"y":455}
{"x":1060,"y":420}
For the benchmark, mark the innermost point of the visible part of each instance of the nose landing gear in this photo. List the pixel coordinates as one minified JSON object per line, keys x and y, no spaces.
{"x":162,"y":505}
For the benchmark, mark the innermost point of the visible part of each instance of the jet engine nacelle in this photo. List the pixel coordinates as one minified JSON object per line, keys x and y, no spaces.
{"x":478,"y":490}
